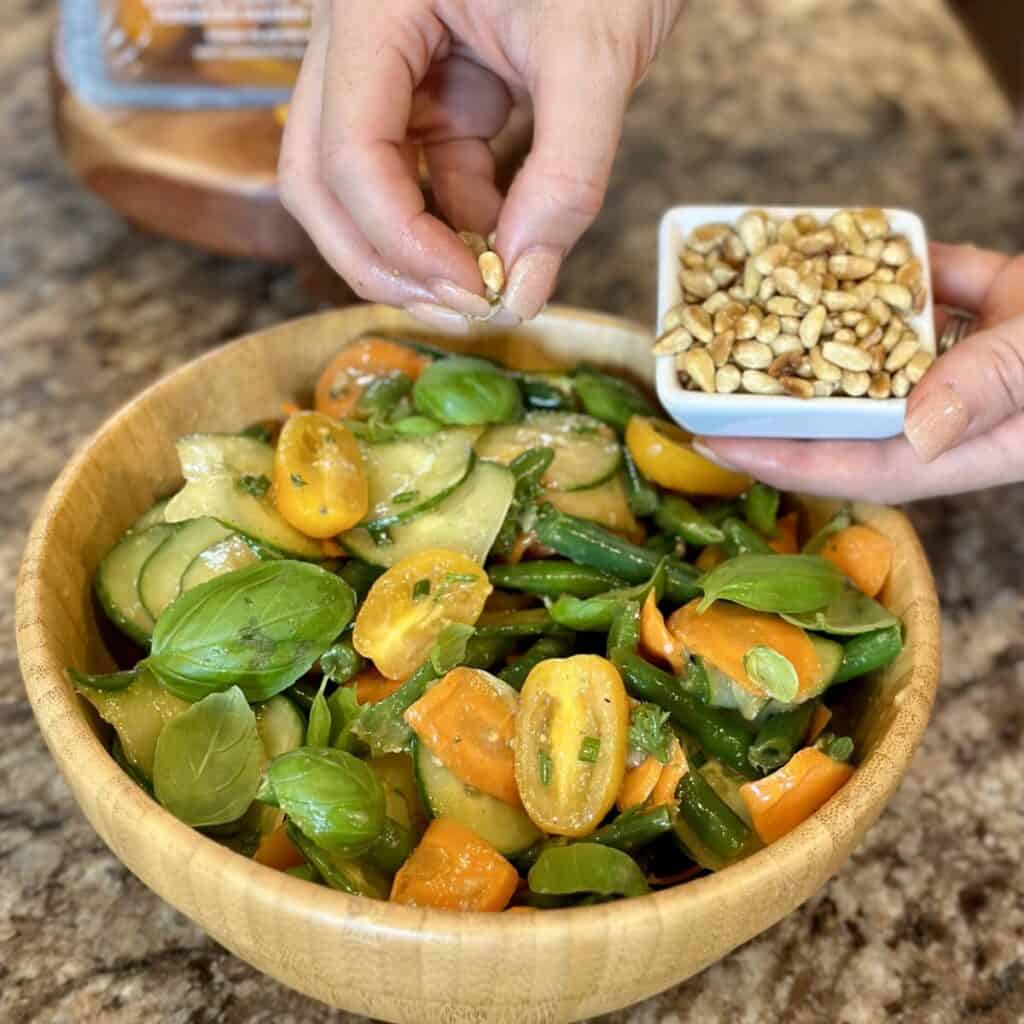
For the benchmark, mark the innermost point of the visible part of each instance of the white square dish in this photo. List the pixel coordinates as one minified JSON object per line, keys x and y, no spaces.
{"x":744,"y":415}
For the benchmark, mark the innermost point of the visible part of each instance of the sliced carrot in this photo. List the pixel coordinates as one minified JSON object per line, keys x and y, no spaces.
{"x":454,"y":869}
{"x":821,"y":717}
{"x":277,"y":851}
{"x":466,"y":723}
{"x":786,"y":540}
{"x":671,"y":774}
{"x":655,"y":638}
{"x":343,"y":381}
{"x":863,"y":554}
{"x":724,"y":633}
{"x":290,"y":408}
{"x":638,"y":783}
{"x":782,"y":800}
{"x":512,"y":910}
{"x":711,"y":556}
{"x":371,"y":686}
{"x":331,"y":548}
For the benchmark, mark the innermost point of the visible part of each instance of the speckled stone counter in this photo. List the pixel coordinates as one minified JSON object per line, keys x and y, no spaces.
{"x":830,"y":101}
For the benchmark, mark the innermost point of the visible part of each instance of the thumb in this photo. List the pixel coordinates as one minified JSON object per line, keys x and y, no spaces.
{"x":969,"y":391}
{"x":579,"y":104}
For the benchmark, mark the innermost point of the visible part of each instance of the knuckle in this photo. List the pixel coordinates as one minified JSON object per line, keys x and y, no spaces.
{"x":1006,"y":356}
{"x":579,"y":194}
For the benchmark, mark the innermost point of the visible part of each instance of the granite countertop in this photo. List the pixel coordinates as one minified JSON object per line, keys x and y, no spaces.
{"x":830,"y":101}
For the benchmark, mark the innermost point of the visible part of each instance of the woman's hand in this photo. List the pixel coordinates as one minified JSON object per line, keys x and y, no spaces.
{"x":965,"y":421}
{"x":384,"y":77}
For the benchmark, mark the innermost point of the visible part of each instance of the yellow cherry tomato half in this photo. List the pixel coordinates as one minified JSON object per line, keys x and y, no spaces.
{"x":663,"y":454}
{"x":319,"y":480}
{"x":408,"y":607}
{"x":572,"y":736}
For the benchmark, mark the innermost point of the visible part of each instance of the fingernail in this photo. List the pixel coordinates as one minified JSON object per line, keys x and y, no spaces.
{"x":449,"y":294}
{"x":531,"y":282}
{"x":936,"y":423}
{"x":439,"y":317}
{"x":712,"y":456}
{"x":503,"y":318}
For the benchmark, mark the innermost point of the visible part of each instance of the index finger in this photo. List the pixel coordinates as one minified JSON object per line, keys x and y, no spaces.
{"x":377,"y":57}
{"x":962,"y":275}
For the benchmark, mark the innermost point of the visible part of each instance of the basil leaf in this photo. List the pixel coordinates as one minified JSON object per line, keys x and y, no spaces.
{"x":344,"y":710}
{"x":650,"y":732}
{"x":449,"y":649}
{"x":332,"y":797}
{"x":318,"y":731}
{"x":773,"y":672}
{"x":341,"y":873}
{"x":586,"y":868}
{"x":209,"y":760}
{"x":840,"y":521}
{"x":259,"y":628}
{"x":849,"y":613}
{"x":108,"y":681}
{"x":773,"y":583}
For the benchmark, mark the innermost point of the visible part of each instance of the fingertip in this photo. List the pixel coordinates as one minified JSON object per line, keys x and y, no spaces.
{"x":532,"y":281}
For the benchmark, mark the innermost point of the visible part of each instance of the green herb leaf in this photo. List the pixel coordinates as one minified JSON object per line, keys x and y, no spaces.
{"x":528,"y":468}
{"x":839,"y":748}
{"x":421,"y":588}
{"x":840,"y":521}
{"x":773,"y":672}
{"x":318,"y":731}
{"x":587,"y":868}
{"x":590,"y":749}
{"x":416,"y":426}
{"x":449,"y":649}
{"x":452,"y":578}
{"x":209,"y":760}
{"x":383,"y":393}
{"x":773,"y":583}
{"x":332,"y":797}
{"x":297,"y":480}
{"x":650,"y":732}
{"x":544,"y":767}
{"x":345,"y":710}
{"x":463,"y":391}
{"x":259,"y":628}
{"x":257,"y":486}
{"x":109,"y":681}
{"x":848,"y":614}
{"x":610,"y":399}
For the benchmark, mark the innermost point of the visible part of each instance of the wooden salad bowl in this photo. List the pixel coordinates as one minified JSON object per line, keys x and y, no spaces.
{"x":379,"y":959}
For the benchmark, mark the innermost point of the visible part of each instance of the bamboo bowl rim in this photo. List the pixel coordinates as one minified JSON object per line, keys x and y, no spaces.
{"x":825,"y":838}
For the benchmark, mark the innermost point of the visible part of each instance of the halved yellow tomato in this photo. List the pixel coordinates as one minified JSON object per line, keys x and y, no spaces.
{"x":663,"y":454}
{"x":319,"y":480}
{"x":408,"y":607}
{"x":572,"y":737}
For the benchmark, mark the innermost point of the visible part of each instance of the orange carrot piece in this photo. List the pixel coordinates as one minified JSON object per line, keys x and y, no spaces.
{"x":711,"y":556}
{"x":655,"y":638}
{"x":371,"y":686}
{"x":277,"y":851}
{"x":290,"y":408}
{"x":785,"y":541}
{"x":863,"y":554}
{"x":724,"y":633}
{"x":638,"y":783}
{"x":782,"y":800}
{"x":821,"y":717}
{"x":671,"y":774}
{"x":342,"y":383}
{"x":331,"y":548}
{"x":513,"y":910}
{"x":454,"y":869}
{"x":470,"y":728}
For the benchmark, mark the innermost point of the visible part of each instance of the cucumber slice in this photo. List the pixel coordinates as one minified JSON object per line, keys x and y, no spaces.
{"x":214,"y":466}
{"x":117,"y":581}
{"x":234,"y":552}
{"x":160,"y":580}
{"x":410,"y":476}
{"x":153,"y":515}
{"x":397,"y":773}
{"x":467,"y":520}
{"x":587,"y":452}
{"x":508,"y":829}
{"x":138,"y":715}
{"x":607,"y":504}
{"x":281,"y":728}
{"x":830,"y":657}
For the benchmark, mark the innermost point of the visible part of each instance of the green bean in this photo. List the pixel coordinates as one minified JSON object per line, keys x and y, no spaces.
{"x":486,"y":651}
{"x":610,"y":399}
{"x":868,"y":652}
{"x":596,"y":614}
{"x":642,"y":494}
{"x":761,"y":507}
{"x":721,"y":733}
{"x":547,"y":391}
{"x":552,"y":578}
{"x":360,"y":576}
{"x":677,"y":516}
{"x":662,"y":544}
{"x":543,"y":649}
{"x":716,"y":512}
{"x":382,"y":394}
{"x":780,"y":736}
{"x":624,"y":634}
{"x":741,"y":539}
{"x":382,"y":725}
{"x":589,"y":544}
{"x":715,"y":823}
{"x":529,"y":622}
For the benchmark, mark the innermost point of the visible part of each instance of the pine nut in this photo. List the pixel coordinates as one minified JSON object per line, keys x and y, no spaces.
{"x":829,"y":282}
{"x":824,"y":388}
{"x":785,"y":305}
{"x":720,"y":348}
{"x":752,"y":355}
{"x":806,"y":223}
{"x":874,"y":249}
{"x":700,"y":369}
{"x":845,"y":336}
{"x":911,"y":275}
{"x":492,"y":270}
{"x":788,"y":232}
{"x":786,"y":362}
{"x":790,"y":324}
{"x":752,"y":231}
{"x":698,"y":322}
{"x":748,"y":324}
{"x":839,"y":302}
{"x":797,"y":387}
{"x":822,"y":368}
{"x":900,"y":385}
{"x":736,"y":293}
{"x":673,"y":318}
{"x":880,"y":311}
{"x":851,"y":318}
{"x":786,"y":343}
{"x":880,"y":387}
{"x":869,"y":341}
{"x":733,"y":249}
{"x":865,"y":326}
{"x":769,"y":329}
{"x":809,"y":289}
{"x":766,"y":291}
{"x":892,"y":335}
{"x":919,"y":366}
{"x":700,"y":282}
{"x":728,"y":379}
{"x":865,"y":291}
{"x":896,"y":251}
{"x":920,"y":301}
{"x":856,"y":383}
{"x":848,"y":233}
{"x":751,"y":279}
{"x":724,"y":320}
{"x":787,"y":281}
{"x":817,"y":242}
{"x":757,"y":382}
{"x":708,"y":236}
{"x":724,"y":275}
{"x":897,"y":296}
{"x":672,"y":342}
{"x":846,"y":356}
{"x":768,"y":259}
{"x":851,"y":268}
{"x":810,"y":327}
{"x":831,"y":326}
{"x":872,"y":222}
{"x":476,"y":244}
{"x":693,"y":260}
{"x":713,"y":303}
{"x":878,"y":355}
{"x":883,"y":275}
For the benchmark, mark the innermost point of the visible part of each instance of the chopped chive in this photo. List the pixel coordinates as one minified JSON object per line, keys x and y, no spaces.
{"x":296,"y":480}
{"x":544,"y":764}
{"x":421,"y":588}
{"x":590,"y":748}
{"x":257,"y":486}
{"x":405,"y":497}
{"x":380,"y":535}
{"x":460,"y":577}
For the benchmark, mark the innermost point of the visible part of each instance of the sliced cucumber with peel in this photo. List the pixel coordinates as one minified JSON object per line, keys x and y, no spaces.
{"x":153,"y":515}
{"x":281,"y":728}
{"x":467,"y":520}
{"x":220,"y":472}
{"x":606,"y":504}
{"x":234,"y":552}
{"x":587,"y":452}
